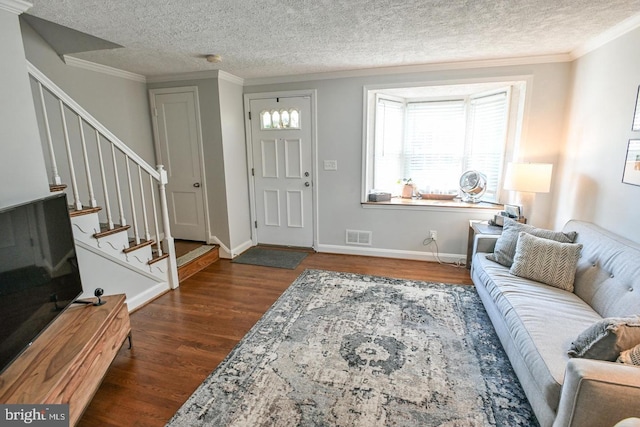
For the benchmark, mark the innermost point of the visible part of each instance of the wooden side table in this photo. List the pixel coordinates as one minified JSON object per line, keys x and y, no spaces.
{"x":479,"y":227}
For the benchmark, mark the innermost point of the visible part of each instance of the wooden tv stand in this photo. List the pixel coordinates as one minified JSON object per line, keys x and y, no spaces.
{"x":68,"y":361}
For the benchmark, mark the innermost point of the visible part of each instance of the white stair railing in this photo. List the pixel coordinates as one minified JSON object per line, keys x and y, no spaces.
{"x":141,"y":203}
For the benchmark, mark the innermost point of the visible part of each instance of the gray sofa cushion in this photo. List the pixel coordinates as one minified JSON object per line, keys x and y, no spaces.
{"x":505,"y":248}
{"x":547,"y":261}
{"x":608,"y":273}
{"x":605,"y":339}
{"x":541,"y":331}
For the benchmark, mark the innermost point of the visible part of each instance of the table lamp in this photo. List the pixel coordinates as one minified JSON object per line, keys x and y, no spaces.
{"x":528,"y":179}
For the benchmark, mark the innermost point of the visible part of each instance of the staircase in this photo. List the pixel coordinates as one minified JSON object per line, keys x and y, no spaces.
{"x":117,"y":200}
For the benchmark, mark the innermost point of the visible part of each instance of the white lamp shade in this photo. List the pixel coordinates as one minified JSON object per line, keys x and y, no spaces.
{"x":528,"y":177}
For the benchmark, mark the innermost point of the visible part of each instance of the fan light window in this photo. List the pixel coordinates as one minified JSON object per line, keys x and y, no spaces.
{"x":280,"y":119}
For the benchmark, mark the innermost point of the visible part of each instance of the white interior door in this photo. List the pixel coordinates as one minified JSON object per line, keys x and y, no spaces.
{"x":282,"y":162}
{"x":177,"y":131}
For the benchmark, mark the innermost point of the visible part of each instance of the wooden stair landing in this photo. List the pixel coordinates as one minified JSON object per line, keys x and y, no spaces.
{"x":198,"y":264}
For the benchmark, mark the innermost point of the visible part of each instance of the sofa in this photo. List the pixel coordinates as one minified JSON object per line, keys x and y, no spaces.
{"x":538,"y":324}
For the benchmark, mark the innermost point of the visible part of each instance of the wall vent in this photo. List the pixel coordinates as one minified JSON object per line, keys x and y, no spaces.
{"x":359,"y":237}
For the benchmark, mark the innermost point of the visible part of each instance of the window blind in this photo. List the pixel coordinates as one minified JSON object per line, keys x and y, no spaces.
{"x":434,"y":148}
{"x":486,"y":137}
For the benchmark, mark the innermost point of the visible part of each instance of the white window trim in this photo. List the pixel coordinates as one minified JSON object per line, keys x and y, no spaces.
{"x":518,"y":123}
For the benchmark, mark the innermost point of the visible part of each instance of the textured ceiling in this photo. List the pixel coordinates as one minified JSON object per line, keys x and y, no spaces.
{"x":266,"y":38}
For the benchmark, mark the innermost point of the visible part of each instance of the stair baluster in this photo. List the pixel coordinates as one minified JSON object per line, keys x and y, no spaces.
{"x":107,"y":205}
{"x":132,"y":200}
{"x":145,"y":221}
{"x":87,"y":169}
{"x":52,"y":154}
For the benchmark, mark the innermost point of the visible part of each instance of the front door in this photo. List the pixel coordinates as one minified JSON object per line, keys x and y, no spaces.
{"x":177,"y":131}
{"x":282,"y":162}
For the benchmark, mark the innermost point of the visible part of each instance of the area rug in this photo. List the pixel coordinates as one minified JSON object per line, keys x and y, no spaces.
{"x":191,"y":255}
{"x":341,"y":349}
{"x":269,"y":257}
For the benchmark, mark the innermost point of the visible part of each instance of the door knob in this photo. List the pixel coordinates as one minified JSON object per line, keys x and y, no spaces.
{"x":197,"y":185}
{"x":307,"y":184}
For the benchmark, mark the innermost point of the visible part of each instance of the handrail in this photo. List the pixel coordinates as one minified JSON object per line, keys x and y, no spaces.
{"x":69,"y":102}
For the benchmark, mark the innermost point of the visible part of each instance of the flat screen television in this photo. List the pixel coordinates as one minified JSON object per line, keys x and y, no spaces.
{"x":39,"y":274}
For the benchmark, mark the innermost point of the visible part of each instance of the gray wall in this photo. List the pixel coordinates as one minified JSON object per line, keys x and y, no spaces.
{"x":122,"y":105}
{"x":340,"y":115}
{"x":604,"y":87}
{"x":22,"y":169}
{"x":235,"y":160}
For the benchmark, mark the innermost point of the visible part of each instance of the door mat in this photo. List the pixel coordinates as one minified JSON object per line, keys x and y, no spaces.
{"x":277,"y":258}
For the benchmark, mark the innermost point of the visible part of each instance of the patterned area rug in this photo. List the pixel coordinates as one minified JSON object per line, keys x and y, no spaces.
{"x":343,"y":349}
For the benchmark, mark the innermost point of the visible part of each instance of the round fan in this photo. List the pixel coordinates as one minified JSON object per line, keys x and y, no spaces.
{"x":473,"y":185}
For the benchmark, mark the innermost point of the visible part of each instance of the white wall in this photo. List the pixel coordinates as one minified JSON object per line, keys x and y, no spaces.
{"x":340,"y":115}
{"x":604,"y":87}
{"x":22,"y":170}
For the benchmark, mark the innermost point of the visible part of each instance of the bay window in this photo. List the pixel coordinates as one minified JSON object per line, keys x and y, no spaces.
{"x":431,"y":135}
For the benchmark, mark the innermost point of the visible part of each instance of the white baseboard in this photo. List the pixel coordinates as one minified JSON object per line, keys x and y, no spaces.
{"x":146,"y":296}
{"x":391,"y":253}
{"x":227,"y":253}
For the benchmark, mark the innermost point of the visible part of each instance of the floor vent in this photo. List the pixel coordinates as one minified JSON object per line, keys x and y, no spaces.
{"x":358,"y":237}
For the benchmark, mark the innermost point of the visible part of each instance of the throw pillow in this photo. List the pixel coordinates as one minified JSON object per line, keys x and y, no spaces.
{"x":631,"y":356}
{"x":547,"y":261}
{"x":605,"y":339}
{"x":505,"y":247}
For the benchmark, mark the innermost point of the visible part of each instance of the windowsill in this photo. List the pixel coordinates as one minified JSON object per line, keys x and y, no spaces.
{"x":398,"y":202}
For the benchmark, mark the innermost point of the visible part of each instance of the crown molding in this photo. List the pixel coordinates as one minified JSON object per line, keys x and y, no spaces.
{"x":407,"y":69}
{"x":223,"y":75}
{"x":607,"y":36}
{"x":104,"y":69}
{"x":196,"y":75}
{"x":15,"y":6}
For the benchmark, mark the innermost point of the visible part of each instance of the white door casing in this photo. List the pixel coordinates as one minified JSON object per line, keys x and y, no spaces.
{"x":178,"y":140}
{"x":282,"y":174}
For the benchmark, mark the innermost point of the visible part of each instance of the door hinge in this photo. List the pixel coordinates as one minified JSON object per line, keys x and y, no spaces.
{"x":255,"y":224}
{"x":155,"y":112}
{"x":249,"y":115}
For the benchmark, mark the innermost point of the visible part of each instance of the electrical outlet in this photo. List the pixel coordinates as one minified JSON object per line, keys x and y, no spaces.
{"x":433,"y":235}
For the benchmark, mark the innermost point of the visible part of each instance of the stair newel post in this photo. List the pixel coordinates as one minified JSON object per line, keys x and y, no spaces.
{"x":87,"y":169}
{"x":52,"y":154}
{"x":132,"y":200}
{"x":155,"y":215}
{"x":72,"y":171}
{"x":145,"y":222}
{"x":123,"y":221}
{"x":103,"y":177}
{"x":168,"y":239}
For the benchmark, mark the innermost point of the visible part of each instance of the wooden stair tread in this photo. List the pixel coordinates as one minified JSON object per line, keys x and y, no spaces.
{"x":104,"y":230}
{"x":84,"y":211}
{"x":133,"y":246}
{"x":157,"y":258}
{"x":57,"y":187}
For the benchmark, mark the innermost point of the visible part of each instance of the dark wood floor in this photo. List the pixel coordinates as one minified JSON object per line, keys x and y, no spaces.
{"x":181,"y":337}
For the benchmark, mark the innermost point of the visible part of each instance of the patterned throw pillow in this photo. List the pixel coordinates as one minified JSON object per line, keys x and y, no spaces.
{"x":631,"y":356}
{"x":505,"y":248}
{"x":604,"y":340}
{"x":547,"y":261}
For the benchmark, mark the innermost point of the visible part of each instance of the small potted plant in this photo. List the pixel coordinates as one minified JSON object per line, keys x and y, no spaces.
{"x":408,"y":188}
